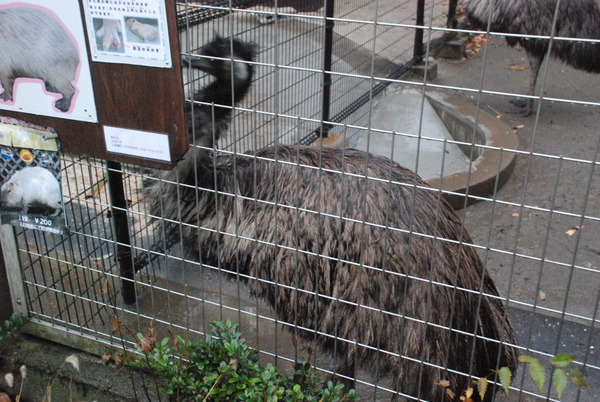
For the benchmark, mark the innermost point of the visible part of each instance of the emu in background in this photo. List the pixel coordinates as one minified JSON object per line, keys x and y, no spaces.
{"x":578,"y":19}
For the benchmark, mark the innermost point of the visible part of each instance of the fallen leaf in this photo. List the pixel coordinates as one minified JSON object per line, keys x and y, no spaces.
{"x":517,"y":68}
{"x":542,"y":295}
{"x":97,"y":188}
{"x":105,"y":358}
{"x":476,"y":42}
{"x":468,"y":395}
{"x":118,"y":326}
{"x":73,"y":361}
{"x":518,"y":127}
{"x":443,"y":383}
{"x":4,"y":397}
{"x":147,"y":342}
{"x":515,"y":215}
{"x":10,"y":379}
{"x":573,"y":230}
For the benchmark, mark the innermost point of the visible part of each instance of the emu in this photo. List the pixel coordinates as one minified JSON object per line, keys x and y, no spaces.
{"x":578,"y":19}
{"x":340,"y":242}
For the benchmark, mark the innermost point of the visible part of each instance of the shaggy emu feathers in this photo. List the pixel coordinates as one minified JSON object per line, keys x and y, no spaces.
{"x":348,"y":244}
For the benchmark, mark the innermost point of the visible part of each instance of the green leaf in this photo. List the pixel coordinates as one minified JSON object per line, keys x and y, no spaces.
{"x":562,"y":360}
{"x":538,"y":373}
{"x":482,"y":385}
{"x":577,"y":378}
{"x":559,"y":381}
{"x":527,"y":359}
{"x":505,"y":377}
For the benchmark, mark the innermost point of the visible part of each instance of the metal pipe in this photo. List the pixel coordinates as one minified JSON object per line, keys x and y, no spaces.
{"x":418,"y":45}
{"x":358,"y":103}
{"x":327,"y":62}
{"x":451,"y":22}
{"x":119,"y":206}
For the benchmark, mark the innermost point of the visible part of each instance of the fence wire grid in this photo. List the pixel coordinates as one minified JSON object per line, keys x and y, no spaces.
{"x":526,"y":189}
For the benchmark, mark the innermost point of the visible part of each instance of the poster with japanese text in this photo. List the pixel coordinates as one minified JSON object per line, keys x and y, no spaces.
{"x":44,"y":67}
{"x":128,"y":32}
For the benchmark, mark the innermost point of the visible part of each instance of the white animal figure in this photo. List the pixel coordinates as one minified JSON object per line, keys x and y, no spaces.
{"x":32,"y":190}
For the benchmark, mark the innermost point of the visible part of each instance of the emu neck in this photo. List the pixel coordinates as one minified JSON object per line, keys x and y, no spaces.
{"x":222,"y":92}
{"x":209,"y":120}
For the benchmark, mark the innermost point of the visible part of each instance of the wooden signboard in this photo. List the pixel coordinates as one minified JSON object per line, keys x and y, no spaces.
{"x":114,"y":90}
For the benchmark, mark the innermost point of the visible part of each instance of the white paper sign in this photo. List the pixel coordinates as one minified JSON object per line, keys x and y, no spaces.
{"x":44,"y":67}
{"x":137,"y":143}
{"x":128,"y":32}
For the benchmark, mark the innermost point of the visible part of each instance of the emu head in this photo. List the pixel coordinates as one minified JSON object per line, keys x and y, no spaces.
{"x":224,"y":58}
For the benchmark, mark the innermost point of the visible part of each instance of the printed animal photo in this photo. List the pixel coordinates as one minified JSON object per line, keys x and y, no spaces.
{"x":142,"y":30}
{"x":109,"y":35}
{"x":30,"y":177}
{"x":32,"y":190}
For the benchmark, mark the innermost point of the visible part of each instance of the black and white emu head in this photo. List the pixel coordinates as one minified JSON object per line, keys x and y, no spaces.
{"x":229,"y":60}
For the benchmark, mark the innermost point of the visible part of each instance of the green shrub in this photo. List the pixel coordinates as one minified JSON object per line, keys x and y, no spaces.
{"x":223,"y":368}
{"x":15,"y":321}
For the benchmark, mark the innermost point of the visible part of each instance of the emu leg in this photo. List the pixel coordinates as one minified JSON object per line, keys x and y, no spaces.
{"x":526,"y":105}
{"x":346,"y":370}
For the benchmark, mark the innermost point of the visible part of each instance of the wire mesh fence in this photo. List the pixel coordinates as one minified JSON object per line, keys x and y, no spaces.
{"x":337,"y":255}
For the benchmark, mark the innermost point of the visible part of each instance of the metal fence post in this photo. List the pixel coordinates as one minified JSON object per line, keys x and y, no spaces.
{"x":121,"y":228}
{"x":6,"y":308}
{"x":418,"y":47}
{"x":12,"y":291}
{"x":327,"y":61}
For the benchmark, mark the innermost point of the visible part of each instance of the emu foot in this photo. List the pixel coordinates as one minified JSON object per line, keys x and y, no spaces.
{"x":524,"y":105}
{"x":518,"y":102}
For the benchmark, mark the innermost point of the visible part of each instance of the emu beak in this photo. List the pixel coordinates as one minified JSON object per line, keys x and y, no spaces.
{"x":200,"y":62}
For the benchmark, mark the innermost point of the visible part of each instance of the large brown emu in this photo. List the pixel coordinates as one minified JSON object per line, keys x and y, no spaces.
{"x":352,"y":248}
{"x":578,"y":19}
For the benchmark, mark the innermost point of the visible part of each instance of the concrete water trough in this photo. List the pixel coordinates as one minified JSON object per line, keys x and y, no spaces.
{"x":466,"y":152}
